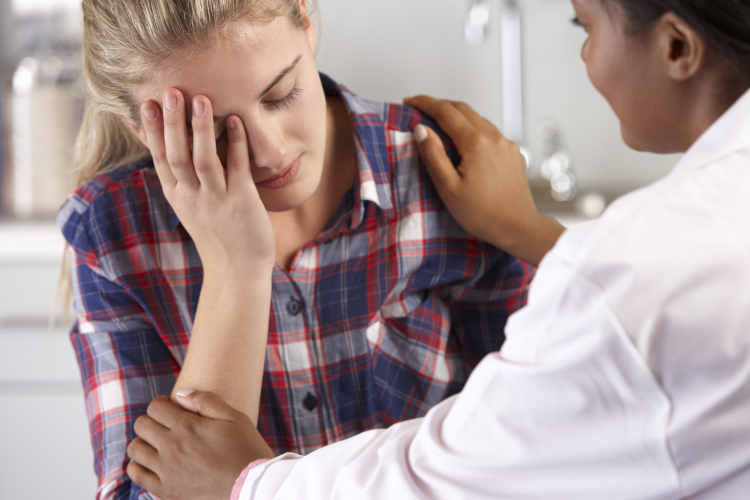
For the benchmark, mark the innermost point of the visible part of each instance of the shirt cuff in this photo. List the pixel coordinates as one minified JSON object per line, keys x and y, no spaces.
{"x":241,"y":480}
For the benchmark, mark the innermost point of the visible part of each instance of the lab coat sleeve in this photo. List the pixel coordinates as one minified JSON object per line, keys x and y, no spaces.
{"x":567,"y":409}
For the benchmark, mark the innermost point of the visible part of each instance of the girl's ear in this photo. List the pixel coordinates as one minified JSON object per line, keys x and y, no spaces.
{"x":309,"y":25}
{"x":138,"y":131}
{"x":684,"y":50}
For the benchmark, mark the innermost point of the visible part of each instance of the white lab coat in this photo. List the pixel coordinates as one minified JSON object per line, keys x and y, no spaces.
{"x":627,"y":375}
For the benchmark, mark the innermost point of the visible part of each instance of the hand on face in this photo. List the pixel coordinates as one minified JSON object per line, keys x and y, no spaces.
{"x":488,"y":193}
{"x":179,"y":454}
{"x":219,"y":208}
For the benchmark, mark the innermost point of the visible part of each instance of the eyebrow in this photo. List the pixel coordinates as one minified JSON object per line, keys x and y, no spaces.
{"x":271,"y":85}
{"x":281,"y":75}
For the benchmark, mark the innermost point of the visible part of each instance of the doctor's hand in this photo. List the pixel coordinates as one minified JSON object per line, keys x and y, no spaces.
{"x":193,"y":453}
{"x":488,"y":193}
{"x":219,"y":207}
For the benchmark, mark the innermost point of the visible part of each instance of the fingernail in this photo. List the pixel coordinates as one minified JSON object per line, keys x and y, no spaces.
{"x":149,"y":113}
{"x":183,"y":393}
{"x":231,"y":125}
{"x":170,"y":102}
{"x":198,"y":107}
{"x":420,"y":133}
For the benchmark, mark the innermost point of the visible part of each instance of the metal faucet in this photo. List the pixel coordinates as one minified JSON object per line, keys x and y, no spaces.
{"x":475,"y":32}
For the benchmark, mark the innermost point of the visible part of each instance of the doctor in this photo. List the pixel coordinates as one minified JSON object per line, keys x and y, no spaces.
{"x":627,"y":376}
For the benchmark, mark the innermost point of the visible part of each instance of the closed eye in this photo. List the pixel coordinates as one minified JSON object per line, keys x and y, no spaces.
{"x":287,"y":101}
{"x":222,"y":138}
{"x":578,"y":23}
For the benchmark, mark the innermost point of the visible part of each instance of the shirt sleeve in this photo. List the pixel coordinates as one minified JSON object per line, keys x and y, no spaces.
{"x":481,"y":308}
{"x":124,"y":364}
{"x":567,"y":409}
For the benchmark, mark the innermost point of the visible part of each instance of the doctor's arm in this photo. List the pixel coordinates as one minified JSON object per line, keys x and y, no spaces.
{"x":487,"y":193}
{"x":567,"y":409}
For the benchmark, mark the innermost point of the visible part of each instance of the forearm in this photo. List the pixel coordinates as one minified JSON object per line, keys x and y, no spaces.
{"x":227,"y":348}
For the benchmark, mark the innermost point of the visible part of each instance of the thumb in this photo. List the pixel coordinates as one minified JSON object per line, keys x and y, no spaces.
{"x":438,"y":165}
{"x":206,"y":404}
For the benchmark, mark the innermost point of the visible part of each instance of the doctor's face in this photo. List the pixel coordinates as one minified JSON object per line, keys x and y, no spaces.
{"x":266,"y":75}
{"x":625,"y":68}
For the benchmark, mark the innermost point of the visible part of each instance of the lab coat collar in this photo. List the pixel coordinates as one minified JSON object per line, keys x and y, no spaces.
{"x":729,"y":134}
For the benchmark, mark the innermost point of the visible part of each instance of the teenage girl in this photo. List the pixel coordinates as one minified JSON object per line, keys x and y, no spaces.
{"x":627,"y":376}
{"x":233,"y":197}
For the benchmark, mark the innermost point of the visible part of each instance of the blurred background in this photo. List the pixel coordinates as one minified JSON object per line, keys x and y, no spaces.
{"x":517,"y":62}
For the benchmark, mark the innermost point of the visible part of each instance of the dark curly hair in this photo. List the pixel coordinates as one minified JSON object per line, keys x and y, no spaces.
{"x":723,"y":24}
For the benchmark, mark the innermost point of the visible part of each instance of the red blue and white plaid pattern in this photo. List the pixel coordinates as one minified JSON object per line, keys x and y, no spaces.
{"x":379,"y":318}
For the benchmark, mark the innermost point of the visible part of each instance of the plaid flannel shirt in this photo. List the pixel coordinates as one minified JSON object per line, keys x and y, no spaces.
{"x":379,"y":318}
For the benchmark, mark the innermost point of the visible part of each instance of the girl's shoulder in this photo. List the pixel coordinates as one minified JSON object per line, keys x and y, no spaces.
{"x":114,"y":203}
{"x":386,"y":128}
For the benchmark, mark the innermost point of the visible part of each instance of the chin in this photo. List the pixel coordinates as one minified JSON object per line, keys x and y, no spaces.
{"x":652,"y":144}
{"x":284,"y":200}
{"x":634,"y":142}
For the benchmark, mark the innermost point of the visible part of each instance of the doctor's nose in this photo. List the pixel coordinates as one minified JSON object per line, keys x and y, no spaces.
{"x":268,"y":148}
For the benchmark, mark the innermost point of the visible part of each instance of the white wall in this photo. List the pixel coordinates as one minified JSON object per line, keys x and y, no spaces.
{"x":389,"y":49}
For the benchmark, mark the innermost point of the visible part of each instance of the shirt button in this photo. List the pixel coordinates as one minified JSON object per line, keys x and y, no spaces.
{"x":310,"y":402}
{"x":294,"y":307}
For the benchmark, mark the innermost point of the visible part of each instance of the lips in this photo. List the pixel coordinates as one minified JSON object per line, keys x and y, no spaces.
{"x":283,"y":178}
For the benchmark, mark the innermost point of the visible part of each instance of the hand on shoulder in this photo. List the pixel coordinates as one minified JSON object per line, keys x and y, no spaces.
{"x":488,"y":193}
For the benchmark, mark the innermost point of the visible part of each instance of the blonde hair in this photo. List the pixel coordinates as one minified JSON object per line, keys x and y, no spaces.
{"x":124,"y":41}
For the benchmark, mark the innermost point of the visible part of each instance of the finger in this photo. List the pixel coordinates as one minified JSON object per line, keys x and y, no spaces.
{"x":144,"y":454}
{"x":167,"y":413}
{"x":238,"y":155}
{"x":206,"y":162}
{"x":144,"y":477}
{"x":475,"y":118}
{"x":448,"y":117}
{"x":153,"y":125}
{"x":150,"y":431}
{"x":208,"y":405}
{"x":436,"y":161}
{"x":423,"y":103}
{"x":176,"y":138}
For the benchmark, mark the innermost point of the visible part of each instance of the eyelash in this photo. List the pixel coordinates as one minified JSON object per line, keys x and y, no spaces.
{"x":577,"y":22}
{"x":284,"y":103}
{"x":287,"y":101}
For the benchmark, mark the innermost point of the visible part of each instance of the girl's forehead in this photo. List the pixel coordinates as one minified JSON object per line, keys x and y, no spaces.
{"x":250,"y":62}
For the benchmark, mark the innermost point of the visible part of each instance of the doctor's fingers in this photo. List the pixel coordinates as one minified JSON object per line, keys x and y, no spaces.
{"x":143,"y":477}
{"x":171,"y":415}
{"x":457,"y":119}
{"x":205,"y":160}
{"x":444,"y":175}
{"x":144,"y":454}
{"x":151,"y":431}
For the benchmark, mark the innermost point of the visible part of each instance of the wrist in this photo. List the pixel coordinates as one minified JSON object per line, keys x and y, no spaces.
{"x":229,"y":275}
{"x":530,"y":238}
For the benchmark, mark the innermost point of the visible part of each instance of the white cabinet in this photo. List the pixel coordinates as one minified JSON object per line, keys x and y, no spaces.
{"x":45,"y":448}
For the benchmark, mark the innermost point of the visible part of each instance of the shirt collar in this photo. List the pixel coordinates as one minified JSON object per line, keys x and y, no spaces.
{"x":729,"y":134}
{"x":373,"y":181}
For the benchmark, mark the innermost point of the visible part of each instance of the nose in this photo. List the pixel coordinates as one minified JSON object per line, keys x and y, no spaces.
{"x":268,"y":148}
